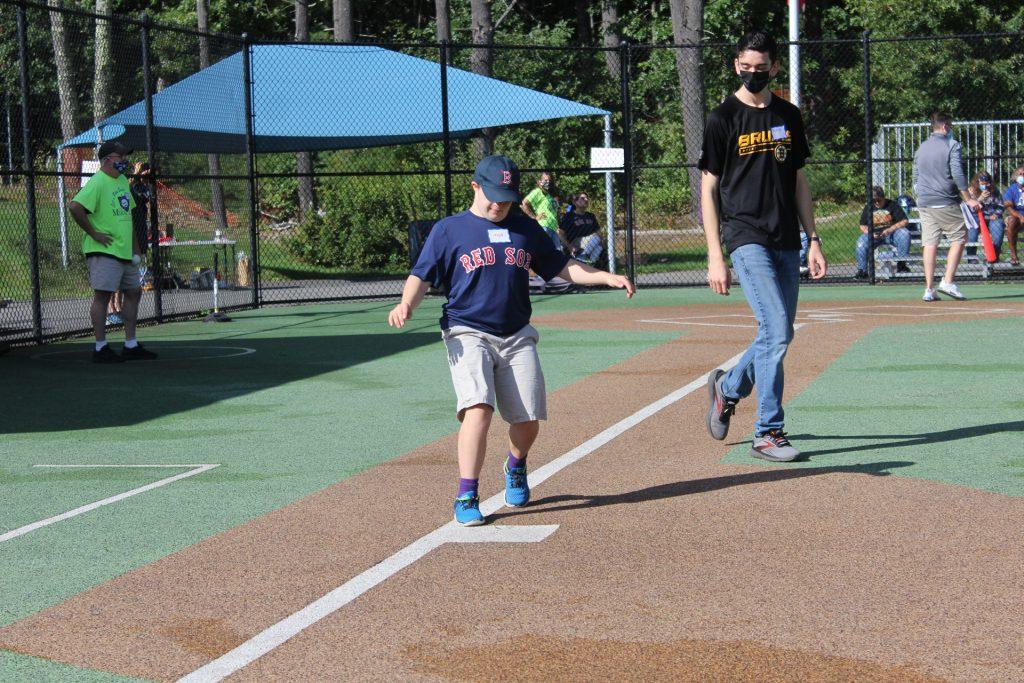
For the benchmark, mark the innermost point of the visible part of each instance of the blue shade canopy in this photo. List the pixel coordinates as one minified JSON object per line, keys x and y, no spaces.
{"x":320,"y":97}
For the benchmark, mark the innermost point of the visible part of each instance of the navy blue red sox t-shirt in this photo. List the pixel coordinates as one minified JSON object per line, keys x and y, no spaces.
{"x":486,"y":268}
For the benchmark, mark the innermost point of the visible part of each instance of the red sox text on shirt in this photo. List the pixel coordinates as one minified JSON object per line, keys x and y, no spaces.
{"x":484,"y":256}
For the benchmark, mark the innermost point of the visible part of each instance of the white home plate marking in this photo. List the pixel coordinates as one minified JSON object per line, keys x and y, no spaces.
{"x":21,"y":531}
{"x":279,"y":633}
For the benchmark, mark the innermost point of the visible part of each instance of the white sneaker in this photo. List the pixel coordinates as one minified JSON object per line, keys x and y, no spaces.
{"x":929,"y":295}
{"x":952,"y":290}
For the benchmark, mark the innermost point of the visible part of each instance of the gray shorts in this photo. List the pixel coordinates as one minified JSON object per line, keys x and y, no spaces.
{"x":936,"y":222}
{"x":107,"y":274}
{"x":501,"y":372}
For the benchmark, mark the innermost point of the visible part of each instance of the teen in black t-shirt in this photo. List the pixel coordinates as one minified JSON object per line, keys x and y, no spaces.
{"x":756,"y":152}
{"x":755,"y":196}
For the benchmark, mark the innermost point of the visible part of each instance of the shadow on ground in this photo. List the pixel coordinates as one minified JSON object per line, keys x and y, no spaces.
{"x":58,"y":388}
{"x":904,"y":440}
{"x":693,"y":486}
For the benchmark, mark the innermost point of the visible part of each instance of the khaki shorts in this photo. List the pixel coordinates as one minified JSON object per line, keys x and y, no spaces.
{"x":107,"y":274}
{"x":947,"y":220}
{"x":501,"y":372}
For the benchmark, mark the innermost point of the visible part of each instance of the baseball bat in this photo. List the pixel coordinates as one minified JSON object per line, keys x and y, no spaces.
{"x":986,"y":239}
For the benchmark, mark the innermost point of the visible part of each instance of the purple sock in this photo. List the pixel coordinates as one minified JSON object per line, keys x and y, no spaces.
{"x":514,"y":462}
{"x":467,"y":486}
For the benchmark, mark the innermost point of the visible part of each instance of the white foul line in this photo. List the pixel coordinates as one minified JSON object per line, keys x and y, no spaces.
{"x":291,"y":626}
{"x":21,"y":531}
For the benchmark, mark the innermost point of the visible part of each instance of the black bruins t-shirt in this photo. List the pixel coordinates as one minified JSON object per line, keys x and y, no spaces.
{"x":756,"y":153}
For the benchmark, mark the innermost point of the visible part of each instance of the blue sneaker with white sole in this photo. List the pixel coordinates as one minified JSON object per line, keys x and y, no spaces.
{"x":467,"y":510}
{"x":517,"y":488}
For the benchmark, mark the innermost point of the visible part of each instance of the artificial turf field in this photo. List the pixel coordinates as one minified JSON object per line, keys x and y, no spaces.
{"x":289,"y":402}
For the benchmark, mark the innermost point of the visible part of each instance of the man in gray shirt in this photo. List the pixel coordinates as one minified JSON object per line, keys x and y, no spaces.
{"x":940,"y":184}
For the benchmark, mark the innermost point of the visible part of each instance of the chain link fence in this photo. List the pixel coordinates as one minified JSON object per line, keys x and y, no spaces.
{"x":337,"y":214}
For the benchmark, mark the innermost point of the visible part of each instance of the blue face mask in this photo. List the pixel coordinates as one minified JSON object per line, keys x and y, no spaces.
{"x":1020,"y":180}
{"x":121,"y":166}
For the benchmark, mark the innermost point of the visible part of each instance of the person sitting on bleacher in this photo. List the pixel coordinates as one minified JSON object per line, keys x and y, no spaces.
{"x":882,"y":222}
{"x":986,"y":193}
{"x":1013,"y":201}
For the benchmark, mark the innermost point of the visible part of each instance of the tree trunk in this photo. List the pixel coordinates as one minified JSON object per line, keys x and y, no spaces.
{"x":481,"y":60}
{"x":583,"y":32}
{"x":611,"y":36}
{"x":442,"y":12}
{"x":343,"y":30}
{"x":217,"y":207}
{"x":304,"y":160}
{"x":688,"y":29}
{"x":65,"y":85}
{"x":103,"y":71}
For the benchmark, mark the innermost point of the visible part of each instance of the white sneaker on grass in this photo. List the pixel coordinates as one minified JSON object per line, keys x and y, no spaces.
{"x":929,"y":295}
{"x":950,"y":289}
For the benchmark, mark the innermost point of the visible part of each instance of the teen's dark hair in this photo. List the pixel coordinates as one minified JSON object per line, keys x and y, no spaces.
{"x":877,"y":192}
{"x":758,"y":41}
{"x":939,"y":119}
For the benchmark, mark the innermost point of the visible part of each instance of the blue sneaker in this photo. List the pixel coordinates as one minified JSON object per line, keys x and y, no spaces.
{"x":467,"y":510}
{"x":517,"y":488}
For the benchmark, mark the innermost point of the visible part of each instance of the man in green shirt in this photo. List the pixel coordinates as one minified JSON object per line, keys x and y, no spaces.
{"x":103,"y":209}
{"x":540,"y":206}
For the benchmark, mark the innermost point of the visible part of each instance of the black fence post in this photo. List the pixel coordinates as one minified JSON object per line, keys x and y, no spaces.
{"x":445,"y":133}
{"x":154,"y":213}
{"x":30,"y":178}
{"x":250,"y":156}
{"x":627,"y":154}
{"x":868,"y":151}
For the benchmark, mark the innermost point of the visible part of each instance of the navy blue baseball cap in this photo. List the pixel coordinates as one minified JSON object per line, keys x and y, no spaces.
{"x":499,"y":177}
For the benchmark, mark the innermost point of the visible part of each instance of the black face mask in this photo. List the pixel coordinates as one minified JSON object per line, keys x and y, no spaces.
{"x":755,"y":81}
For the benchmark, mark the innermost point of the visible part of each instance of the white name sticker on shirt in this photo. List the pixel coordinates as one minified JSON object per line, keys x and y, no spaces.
{"x":499,"y":235}
{"x":779,"y":133}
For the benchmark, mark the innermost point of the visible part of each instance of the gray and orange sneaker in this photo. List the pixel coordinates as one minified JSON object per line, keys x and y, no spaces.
{"x":773,"y":445}
{"x":721,"y":408}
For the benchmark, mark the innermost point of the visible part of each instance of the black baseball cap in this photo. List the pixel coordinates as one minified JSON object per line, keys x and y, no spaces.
{"x":110,"y":147}
{"x":499,"y":177}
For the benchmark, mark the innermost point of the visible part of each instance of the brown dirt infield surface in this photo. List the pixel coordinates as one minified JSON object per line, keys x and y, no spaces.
{"x":667,"y":564}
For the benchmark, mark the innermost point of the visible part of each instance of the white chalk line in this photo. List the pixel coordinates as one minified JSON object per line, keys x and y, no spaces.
{"x":73,"y":356}
{"x":918,"y":313}
{"x":289,"y":627}
{"x":21,"y":531}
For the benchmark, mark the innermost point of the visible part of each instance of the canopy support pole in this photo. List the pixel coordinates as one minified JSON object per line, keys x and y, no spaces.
{"x":62,"y":218}
{"x":609,"y":198}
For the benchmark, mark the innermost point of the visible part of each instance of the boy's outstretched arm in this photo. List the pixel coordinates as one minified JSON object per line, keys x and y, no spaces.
{"x":412,"y":295}
{"x":582,"y":274}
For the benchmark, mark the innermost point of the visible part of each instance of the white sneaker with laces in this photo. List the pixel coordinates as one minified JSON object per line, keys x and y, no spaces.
{"x":929,"y":295}
{"x":950,"y":289}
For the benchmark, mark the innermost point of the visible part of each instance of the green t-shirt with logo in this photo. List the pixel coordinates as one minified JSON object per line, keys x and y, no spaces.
{"x":543,"y":206}
{"x":109,"y":202}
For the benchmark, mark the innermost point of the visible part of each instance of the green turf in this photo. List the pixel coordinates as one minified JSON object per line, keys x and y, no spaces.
{"x":330,"y":392}
{"x":940,"y":399}
{"x":17,"y":667}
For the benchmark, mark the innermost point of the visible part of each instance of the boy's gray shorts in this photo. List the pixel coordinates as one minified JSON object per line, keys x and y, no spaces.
{"x":501,"y":372}
{"x":107,"y":274}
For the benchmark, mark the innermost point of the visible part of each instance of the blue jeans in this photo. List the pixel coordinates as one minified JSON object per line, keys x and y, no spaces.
{"x":770,"y":279}
{"x":995,"y":228}
{"x":804,"y":244}
{"x":899,"y":239}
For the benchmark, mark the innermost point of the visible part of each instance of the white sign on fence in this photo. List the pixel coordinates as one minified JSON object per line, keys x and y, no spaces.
{"x":607,"y":159}
{"x":89,"y":169}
